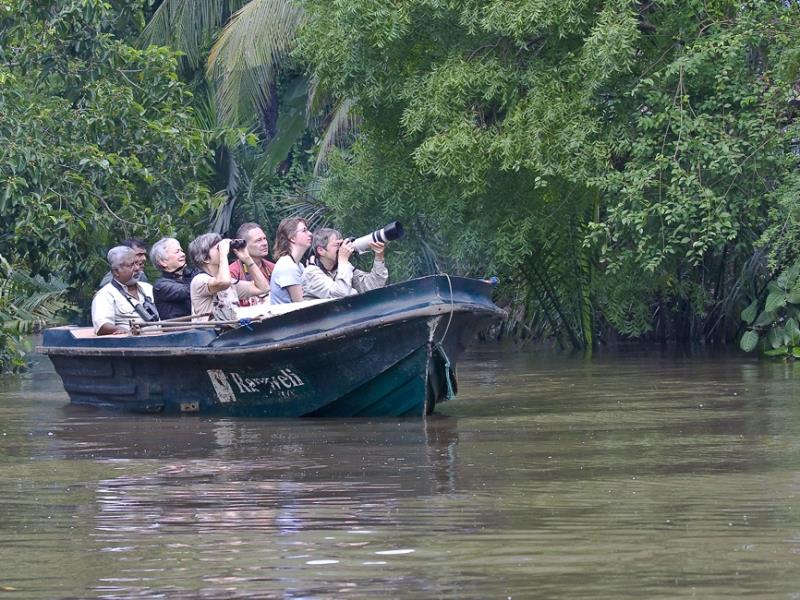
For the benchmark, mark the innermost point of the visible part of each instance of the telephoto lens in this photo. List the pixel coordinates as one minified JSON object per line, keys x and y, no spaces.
{"x":393,"y":231}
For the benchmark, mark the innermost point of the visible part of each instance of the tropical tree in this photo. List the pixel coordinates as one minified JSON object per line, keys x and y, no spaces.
{"x":616,"y":162}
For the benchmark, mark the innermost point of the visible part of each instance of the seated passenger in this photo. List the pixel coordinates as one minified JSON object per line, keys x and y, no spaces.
{"x":213,"y":291}
{"x":141,"y":257}
{"x":258,"y":248}
{"x":114,"y":304}
{"x":333,"y":276}
{"x":291,"y":242}
{"x":171,"y":291}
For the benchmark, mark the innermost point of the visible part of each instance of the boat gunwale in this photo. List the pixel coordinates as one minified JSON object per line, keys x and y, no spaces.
{"x":432,"y":310}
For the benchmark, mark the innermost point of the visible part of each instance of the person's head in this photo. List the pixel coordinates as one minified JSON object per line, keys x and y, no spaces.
{"x":124,"y":266}
{"x":139,"y":248}
{"x":203,"y":250}
{"x":326,"y":243}
{"x":257,"y":243}
{"x":167,"y":255}
{"x":292,"y":231}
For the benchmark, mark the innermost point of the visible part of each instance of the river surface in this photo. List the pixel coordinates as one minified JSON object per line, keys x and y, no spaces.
{"x":639,"y":474}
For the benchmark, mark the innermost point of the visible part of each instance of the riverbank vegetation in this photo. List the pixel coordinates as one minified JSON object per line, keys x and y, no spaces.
{"x":628,"y":169}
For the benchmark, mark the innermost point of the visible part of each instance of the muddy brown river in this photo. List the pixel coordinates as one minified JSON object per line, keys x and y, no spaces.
{"x":642,"y":473}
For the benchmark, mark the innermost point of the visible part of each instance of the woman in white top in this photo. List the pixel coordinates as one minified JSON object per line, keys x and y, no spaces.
{"x":291,"y":242}
{"x":213,"y":290}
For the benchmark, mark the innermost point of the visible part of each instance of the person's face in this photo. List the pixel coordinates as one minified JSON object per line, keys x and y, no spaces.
{"x":141,"y":257}
{"x":331,"y":250}
{"x":302,"y":236}
{"x":257,"y":244}
{"x":174,"y":257}
{"x":128,"y":271}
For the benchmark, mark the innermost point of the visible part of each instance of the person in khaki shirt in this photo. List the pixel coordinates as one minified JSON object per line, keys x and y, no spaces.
{"x":215,"y":294}
{"x":333,"y":276}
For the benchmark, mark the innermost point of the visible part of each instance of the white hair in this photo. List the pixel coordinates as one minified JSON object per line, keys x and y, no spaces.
{"x":118,"y":254}
{"x":159,"y":251}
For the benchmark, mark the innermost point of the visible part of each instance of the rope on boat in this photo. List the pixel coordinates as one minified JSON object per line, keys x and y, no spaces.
{"x":450,"y":317}
{"x":447,"y":370}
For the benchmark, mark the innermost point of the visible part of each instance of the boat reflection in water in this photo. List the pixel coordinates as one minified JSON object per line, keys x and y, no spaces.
{"x":388,"y":352}
{"x":251,"y":476}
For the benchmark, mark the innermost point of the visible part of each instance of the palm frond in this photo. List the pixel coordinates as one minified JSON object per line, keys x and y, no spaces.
{"x":187,"y":25}
{"x":342,"y":122}
{"x":247,"y":55}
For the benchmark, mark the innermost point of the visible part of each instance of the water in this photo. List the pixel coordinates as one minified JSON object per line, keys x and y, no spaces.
{"x":640,"y":474}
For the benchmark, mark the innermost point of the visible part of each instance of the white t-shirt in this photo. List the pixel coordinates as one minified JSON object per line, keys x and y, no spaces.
{"x":286,"y":273}
{"x":111,"y":306}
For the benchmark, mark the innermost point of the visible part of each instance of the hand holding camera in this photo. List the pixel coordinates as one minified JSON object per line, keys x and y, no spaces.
{"x":345,"y":250}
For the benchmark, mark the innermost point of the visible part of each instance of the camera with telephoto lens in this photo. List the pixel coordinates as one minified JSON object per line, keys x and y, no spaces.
{"x":147,"y":311}
{"x":238,"y":244}
{"x":393,"y":231}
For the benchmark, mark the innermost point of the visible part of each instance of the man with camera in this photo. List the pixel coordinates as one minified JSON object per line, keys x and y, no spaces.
{"x":125,"y":298}
{"x":333,"y":276}
{"x":258,"y":249}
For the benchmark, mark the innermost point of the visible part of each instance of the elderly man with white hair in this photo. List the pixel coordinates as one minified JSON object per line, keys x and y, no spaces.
{"x":125,"y":298}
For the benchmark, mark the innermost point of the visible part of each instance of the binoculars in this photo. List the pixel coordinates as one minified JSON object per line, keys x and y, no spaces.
{"x":238,"y":244}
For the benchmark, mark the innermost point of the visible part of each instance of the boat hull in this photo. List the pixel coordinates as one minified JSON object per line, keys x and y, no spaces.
{"x":361,"y":357}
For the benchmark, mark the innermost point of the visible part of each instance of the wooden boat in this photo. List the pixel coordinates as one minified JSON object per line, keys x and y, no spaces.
{"x":387,"y":352}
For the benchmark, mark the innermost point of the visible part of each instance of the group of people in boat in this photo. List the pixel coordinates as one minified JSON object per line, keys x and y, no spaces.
{"x":213,"y":286}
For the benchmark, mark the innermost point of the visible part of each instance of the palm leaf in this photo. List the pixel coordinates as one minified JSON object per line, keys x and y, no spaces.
{"x":248,"y":53}
{"x":188,"y":25}
{"x":341,"y":123}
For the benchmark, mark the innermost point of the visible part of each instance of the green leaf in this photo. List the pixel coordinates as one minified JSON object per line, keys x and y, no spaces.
{"x":780,"y":351}
{"x":796,"y":351}
{"x":749,"y":341}
{"x":765,"y":318}
{"x":749,"y":313}
{"x":775,"y":301}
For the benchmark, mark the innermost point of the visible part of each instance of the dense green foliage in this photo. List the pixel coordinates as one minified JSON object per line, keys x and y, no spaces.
{"x":628,"y":168}
{"x":618,"y":163}
{"x":773,"y":323}
{"x":97,"y":141}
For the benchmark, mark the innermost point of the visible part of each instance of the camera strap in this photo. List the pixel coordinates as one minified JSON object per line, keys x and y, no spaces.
{"x":128,"y":297}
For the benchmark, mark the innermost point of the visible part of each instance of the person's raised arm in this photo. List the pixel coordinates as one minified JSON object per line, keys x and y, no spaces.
{"x":259,"y":285}
{"x":222,"y":280}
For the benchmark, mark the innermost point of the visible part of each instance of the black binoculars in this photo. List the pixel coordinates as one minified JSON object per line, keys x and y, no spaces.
{"x":238,"y":244}
{"x":147,"y":311}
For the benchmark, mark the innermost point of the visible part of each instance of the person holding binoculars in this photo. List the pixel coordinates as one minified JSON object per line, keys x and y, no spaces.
{"x":213,"y":291}
{"x":125,"y":298}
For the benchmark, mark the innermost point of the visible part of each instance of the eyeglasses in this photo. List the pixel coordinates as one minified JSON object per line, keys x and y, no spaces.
{"x":301,"y":230}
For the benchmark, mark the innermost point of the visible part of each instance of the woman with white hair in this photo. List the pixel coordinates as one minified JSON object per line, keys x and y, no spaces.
{"x":171,"y":291}
{"x":213,"y":290}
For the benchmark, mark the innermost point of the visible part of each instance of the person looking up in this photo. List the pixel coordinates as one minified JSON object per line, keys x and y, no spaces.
{"x":114,"y":304}
{"x":258,"y":248}
{"x":291,"y":242}
{"x":140,"y":249}
{"x":333,"y":276}
{"x":213,"y":291}
{"x":171,"y":291}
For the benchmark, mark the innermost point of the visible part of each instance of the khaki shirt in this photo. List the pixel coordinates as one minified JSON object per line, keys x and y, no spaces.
{"x":344,"y":281}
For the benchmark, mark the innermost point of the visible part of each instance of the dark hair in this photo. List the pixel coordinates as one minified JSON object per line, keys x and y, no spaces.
{"x":134,"y":243}
{"x":286,"y":230}
{"x":200,"y":248}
